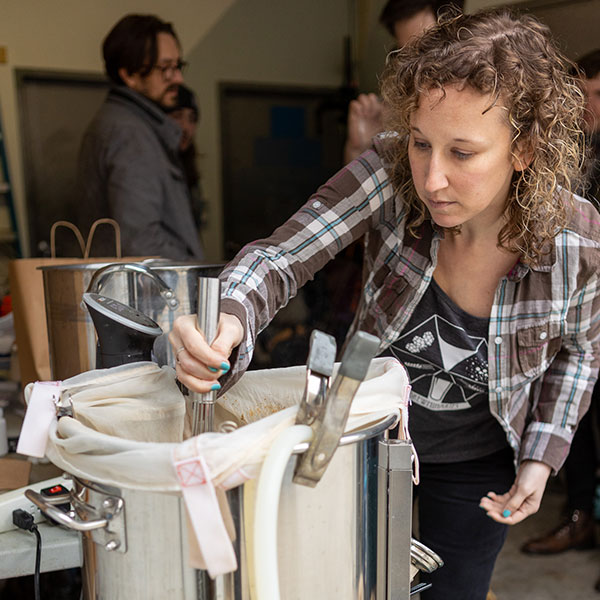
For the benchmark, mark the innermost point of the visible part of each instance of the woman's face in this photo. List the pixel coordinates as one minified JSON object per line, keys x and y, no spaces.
{"x":460,"y":157}
{"x":592,"y":97}
{"x":187,"y":120}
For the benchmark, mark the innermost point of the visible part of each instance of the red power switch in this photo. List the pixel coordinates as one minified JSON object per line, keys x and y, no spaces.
{"x":53,"y":492}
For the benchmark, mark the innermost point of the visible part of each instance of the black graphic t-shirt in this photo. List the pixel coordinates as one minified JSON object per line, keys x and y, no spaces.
{"x":445,"y":352}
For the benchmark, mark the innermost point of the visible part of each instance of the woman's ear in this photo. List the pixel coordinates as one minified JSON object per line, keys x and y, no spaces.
{"x":522,"y":156}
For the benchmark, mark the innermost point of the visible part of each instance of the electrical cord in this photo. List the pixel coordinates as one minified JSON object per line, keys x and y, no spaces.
{"x":24,"y":520}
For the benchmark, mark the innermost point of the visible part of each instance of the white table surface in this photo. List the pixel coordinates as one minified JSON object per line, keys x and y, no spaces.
{"x":61,"y":549}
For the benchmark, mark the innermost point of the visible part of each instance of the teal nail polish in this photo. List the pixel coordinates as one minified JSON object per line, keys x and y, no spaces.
{"x":215,"y":387}
{"x":213,"y":370}
{"x":224,"y":367}
{"x":506,"y":513}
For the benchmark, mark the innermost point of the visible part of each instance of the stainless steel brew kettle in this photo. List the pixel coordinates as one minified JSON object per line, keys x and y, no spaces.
{"x":161,"y":289}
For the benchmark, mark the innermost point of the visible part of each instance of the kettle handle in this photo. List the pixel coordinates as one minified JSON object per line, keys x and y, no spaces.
{"x":98,"y":278}
{"x":62,"y":517}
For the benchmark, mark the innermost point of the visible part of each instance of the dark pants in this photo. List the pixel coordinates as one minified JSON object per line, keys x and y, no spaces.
{"x":581,"y":464}
{"x":452,"y":524}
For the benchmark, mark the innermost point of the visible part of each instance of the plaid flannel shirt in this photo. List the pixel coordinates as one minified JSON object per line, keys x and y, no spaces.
{"x":544,"y":324}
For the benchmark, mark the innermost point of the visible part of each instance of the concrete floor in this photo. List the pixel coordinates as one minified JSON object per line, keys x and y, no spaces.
{"x":567,"y":576}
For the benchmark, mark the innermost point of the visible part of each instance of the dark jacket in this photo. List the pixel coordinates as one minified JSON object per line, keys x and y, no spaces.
{"x":129,"y":170}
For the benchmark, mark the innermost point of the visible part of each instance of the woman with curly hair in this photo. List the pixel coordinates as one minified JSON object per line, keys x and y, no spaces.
{"x":480,"y":274}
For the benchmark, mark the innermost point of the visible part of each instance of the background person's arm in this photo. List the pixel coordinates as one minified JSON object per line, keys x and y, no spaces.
{"x":365,"y":121}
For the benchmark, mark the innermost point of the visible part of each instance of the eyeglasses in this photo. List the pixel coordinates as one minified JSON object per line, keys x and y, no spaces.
{"x":168,"y":71}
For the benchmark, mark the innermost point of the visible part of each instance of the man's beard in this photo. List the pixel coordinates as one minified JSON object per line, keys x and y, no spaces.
{"x":166,"y":94}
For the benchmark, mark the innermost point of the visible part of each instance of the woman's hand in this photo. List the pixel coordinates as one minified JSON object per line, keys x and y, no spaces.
{"x":523,"y":498}
{"x":198,"y":364}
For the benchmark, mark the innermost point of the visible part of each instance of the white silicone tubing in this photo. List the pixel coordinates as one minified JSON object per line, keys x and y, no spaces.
{"x":267,"y":509}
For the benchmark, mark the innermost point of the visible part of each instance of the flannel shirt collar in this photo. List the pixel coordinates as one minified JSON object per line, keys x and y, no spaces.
{"x":520,"y":269}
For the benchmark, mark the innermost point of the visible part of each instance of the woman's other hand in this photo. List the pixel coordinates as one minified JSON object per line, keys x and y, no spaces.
{"x":523,"y":498}
{"x":199,"y":365}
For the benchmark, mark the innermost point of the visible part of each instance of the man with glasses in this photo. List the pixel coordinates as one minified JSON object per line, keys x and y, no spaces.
{"x":129,"y":167}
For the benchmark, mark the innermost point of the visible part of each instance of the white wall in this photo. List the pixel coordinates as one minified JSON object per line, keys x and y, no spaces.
{"x":275,"y":41}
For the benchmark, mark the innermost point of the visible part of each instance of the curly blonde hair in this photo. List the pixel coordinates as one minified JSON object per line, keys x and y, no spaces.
{"x":513,"y":58}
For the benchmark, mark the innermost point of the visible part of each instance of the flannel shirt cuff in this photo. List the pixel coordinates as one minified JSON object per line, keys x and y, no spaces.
{"x":546,"y":443}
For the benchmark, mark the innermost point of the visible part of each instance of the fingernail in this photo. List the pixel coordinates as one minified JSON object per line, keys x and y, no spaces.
{"x":215,"y":387}
{"x":224,"y":367}
{"x":213,"y":370}
{"x":506,"y":513}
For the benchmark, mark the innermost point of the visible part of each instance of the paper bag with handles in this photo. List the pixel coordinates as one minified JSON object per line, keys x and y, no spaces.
{"x":27,"y":291}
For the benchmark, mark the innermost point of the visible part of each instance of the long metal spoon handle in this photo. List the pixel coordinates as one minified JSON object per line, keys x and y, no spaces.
{"x":209,"y":303}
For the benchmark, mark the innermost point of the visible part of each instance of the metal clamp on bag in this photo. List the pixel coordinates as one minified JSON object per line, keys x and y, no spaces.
{"x":319,"y":368}
{"x":64,"y":405}
{"x":329,"y":423}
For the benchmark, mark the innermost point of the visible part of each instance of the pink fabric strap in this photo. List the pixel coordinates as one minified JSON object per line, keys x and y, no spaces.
{"x":204,"y":513}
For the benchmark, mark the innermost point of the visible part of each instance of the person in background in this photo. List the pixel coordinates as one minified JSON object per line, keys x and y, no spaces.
{"x":590,"y":69}
{"x":405,"y":20}
{"x":129,"y":167}
{"x":186,"y":114}
{"x":480,"y":274}
{"x":577,"y":529}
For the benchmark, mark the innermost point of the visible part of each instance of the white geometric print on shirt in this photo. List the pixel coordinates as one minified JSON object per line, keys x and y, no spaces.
{"x":452,"y":369}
